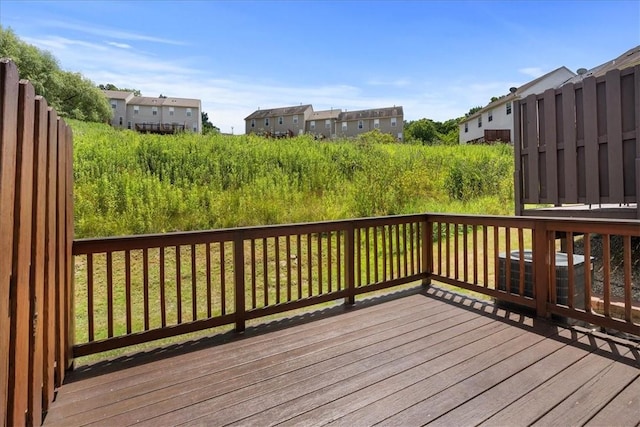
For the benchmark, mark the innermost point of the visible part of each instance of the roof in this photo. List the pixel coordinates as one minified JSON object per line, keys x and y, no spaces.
{"x":375,"y":113}
{"x":326,"y":114}
{"x":117,"y":94}
{"x":181,"y":102}
{"x":628,"y":59}
{"x":514,"y":95}
{"x":166,"y":102}
{"x":277,"y":112}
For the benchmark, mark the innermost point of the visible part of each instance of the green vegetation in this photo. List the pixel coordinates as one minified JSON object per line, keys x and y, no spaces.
{"x":131,"y":183}
{"x":71,"y":94}
{"x":429,"y":132}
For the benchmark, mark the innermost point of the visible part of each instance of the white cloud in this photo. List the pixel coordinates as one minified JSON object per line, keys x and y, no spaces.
{"x":110,"y":32}
{"x":120,"y":45}
{"x":394,"y":83}
{"x":534,"y":72}
{"x":57,"y":44}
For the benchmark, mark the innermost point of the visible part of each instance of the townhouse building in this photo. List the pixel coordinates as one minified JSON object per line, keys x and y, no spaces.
{"x":290,"y":121}
{"x":156,"y":115}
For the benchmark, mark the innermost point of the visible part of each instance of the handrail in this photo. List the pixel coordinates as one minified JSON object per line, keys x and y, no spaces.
{"x":157,"y":286}
{"x":199,"y":280}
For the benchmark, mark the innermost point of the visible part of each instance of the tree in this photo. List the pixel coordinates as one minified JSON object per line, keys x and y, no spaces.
{"x":38,"y":66}
{"x":473,"y":110}
{"x":89,"y":103}
{"x":423,"y":131}
{"x":207,"y":126}
{"x":111,"y":86}
{"x":71,"y":94}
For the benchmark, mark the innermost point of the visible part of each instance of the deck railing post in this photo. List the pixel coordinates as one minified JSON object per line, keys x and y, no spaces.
{"x":238,"y":269}
{"x":541,"y":267}
{"x":350,"y":263}
{"x":427,"y":250}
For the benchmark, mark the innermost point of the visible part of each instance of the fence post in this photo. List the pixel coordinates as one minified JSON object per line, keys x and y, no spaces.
{"x":8,"y":144}
{"x":350,"y":264}
{"x":541,"y":266}
{"x":238,"y":269}
{"x":427,"y":250}
{"x":517,"y":144}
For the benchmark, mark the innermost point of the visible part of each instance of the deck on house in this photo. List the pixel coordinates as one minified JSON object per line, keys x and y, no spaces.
{"x":418,"y":357}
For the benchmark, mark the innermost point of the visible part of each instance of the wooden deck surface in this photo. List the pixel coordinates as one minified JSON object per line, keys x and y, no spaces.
{"x":421,"y":357}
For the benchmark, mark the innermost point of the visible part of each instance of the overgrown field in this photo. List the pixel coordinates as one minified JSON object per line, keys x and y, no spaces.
{"x":130,"y":183}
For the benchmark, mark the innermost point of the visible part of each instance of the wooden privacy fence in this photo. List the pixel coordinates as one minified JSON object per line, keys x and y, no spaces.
{"x":36,"y":235}
{"x":580,"y":143}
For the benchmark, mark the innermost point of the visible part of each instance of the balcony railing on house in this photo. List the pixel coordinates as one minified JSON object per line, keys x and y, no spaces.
{"x":61,"y":298}
{"x":161,"y":128}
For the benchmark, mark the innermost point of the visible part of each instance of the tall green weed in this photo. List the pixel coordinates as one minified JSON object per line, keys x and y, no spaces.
{"x":131,"y":183}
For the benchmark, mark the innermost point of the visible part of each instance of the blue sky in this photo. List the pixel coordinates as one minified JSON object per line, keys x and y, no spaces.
{"x":435,"y":58}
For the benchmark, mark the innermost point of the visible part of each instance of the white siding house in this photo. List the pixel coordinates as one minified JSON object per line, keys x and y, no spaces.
{"x":495,"y":121}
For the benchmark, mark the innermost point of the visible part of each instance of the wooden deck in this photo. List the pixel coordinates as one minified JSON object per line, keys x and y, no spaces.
{"x":418,"y":357}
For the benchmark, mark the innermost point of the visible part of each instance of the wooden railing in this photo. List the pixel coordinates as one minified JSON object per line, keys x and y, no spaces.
{"x":142,"y":288}
{"x":163,"y":128}
{"x":36,"y":233}
{"x":588,"y":270}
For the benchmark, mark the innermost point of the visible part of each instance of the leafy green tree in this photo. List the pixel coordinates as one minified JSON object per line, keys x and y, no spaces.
{"x":422,"y":131}
{"x":71,"y":94}
{"x":88,"y":102}
{"x":474,"y":110}
{"x":207,"y":126}
{"x":38,"y":66}
{"x":111,"y":86}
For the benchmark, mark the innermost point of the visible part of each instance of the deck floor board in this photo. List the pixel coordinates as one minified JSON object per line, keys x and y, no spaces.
{"x":419,"y":357}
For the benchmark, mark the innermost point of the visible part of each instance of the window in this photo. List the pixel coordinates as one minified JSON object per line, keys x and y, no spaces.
{"x":253,"y":123}
{"x":114,"y":103}
{"x":360,"y":124}
{"x":128,"y":125}
{"x":195,"y":127}
{"x":154,"y":111}
{"x":171,"y":111}
{"x":491,"y":115}
{"x":509,"y":107}
{"x":188,"y":112}
{"x":400,"y":136}
{"x":136,"y":109}
{"x":295,"y":120}
{"x":266,"y":121}
{"x":393,"y":122}
{"x":376,"y":123}
{"x":120,"y":121}
{"x":327,"y":124}
{"x":480,"y":121}
{"x":280,"y":120}
{"x":312,"y":125}
{"x":466,"y":127}
{"x":344,"y":126}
